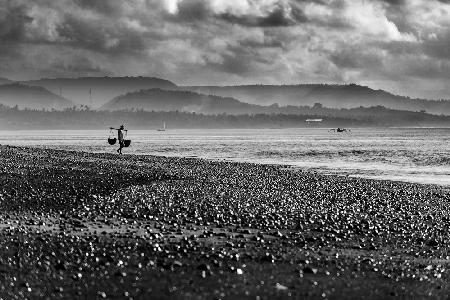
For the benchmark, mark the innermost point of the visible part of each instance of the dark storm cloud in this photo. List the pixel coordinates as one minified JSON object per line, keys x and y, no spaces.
{"x":438,"y":47}
{"x":351,"y":58}
{"x":104,"y":37}
{"x":13,"y":19}
{"x":395,"y":2}
{"x":201,"y":10}
{"x":380,"y":42}
{"x":276,"y":18}
{"x":110,"y":7}
{"x":193,"y":10}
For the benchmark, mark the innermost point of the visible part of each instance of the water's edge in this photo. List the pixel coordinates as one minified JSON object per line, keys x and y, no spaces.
{"x":408,"y":155}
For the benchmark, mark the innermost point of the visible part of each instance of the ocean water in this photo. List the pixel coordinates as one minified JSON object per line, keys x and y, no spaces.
{"x":420,"y":155}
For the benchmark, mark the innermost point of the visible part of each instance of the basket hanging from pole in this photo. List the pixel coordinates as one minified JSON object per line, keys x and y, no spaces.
{"x":111,"y":140}
{"x":126,"y":142}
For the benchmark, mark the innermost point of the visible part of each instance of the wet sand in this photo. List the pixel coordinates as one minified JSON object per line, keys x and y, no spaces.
{"x":86,"y":226}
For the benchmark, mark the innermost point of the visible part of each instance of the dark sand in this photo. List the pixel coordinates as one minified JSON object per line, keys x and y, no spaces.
{"x":87,"y":226}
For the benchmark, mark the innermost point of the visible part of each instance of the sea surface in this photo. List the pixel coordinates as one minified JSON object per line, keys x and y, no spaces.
{"x":420,"y":155}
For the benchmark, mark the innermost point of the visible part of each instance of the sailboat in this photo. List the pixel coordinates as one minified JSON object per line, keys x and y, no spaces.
{"x":163,"y":128}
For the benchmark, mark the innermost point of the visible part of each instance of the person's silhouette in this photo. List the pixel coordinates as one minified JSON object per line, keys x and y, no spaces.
{"x":120,"y":131}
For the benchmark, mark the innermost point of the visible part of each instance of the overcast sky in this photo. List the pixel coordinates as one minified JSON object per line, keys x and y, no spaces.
{"x":402,"y":46}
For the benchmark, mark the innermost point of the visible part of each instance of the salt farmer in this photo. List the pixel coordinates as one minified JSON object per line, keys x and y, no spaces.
{"x":120,"y":131}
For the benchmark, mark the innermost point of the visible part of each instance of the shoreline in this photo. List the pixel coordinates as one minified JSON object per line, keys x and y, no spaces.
{"x":265,"y":161}
{"x":369,"y":153}
{"x":183,"y":228}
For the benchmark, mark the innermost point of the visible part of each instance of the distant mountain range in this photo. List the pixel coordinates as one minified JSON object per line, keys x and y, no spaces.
{"x":148,"y":108}
{"x":185,"y":101}
{"x":96,"y":91}
{"x":336,"y":96}
{"x":178,"y":100}
{"x":32,"y":97}
{"x":129,"y":92}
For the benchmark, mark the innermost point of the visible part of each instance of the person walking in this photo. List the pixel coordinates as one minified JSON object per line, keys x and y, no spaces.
{"x":120,"y":131}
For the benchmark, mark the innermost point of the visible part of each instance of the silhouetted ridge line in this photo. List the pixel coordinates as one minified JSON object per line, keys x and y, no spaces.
{"x":33,"y":97}
{"x":170,"y":100}
{"x":334,"y":95}
{"x":96,"y":91}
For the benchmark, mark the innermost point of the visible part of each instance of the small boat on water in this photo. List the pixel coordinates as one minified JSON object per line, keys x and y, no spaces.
{"x":340,"y":130}
{"x":163,"y":128}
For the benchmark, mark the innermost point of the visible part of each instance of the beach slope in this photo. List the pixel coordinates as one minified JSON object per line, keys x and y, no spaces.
{"x":85,"y":225}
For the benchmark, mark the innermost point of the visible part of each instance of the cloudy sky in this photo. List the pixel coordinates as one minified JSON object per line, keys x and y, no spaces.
{"x":402,"y":46}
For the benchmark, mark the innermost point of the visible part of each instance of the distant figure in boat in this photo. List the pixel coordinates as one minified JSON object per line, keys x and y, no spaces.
{"x":120,"y":131}
{"x":340,"y":130}
{"x":163,"y":128}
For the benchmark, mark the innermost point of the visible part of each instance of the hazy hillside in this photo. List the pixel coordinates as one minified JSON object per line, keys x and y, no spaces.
{"x":96,"y":91}
{"x":31,"y":97}
{"x":5,"y":81}
{"x":337,"y":96}
{"x":164,"y":100}
{"x":103,"y":89}
{"x":185,"y":101}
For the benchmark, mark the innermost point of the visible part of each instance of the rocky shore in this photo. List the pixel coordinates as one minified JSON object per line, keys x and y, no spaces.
{"x":86,"y":226}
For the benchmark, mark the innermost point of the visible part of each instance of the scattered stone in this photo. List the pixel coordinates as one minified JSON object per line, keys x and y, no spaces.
{"x":280,"y":287}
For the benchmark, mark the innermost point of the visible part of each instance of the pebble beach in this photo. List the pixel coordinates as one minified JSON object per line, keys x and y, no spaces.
{"x":78,"y":225}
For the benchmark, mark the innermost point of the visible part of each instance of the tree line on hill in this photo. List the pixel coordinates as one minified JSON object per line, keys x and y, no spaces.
{"x":330,"y":95}
{"x":84,"y":118}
